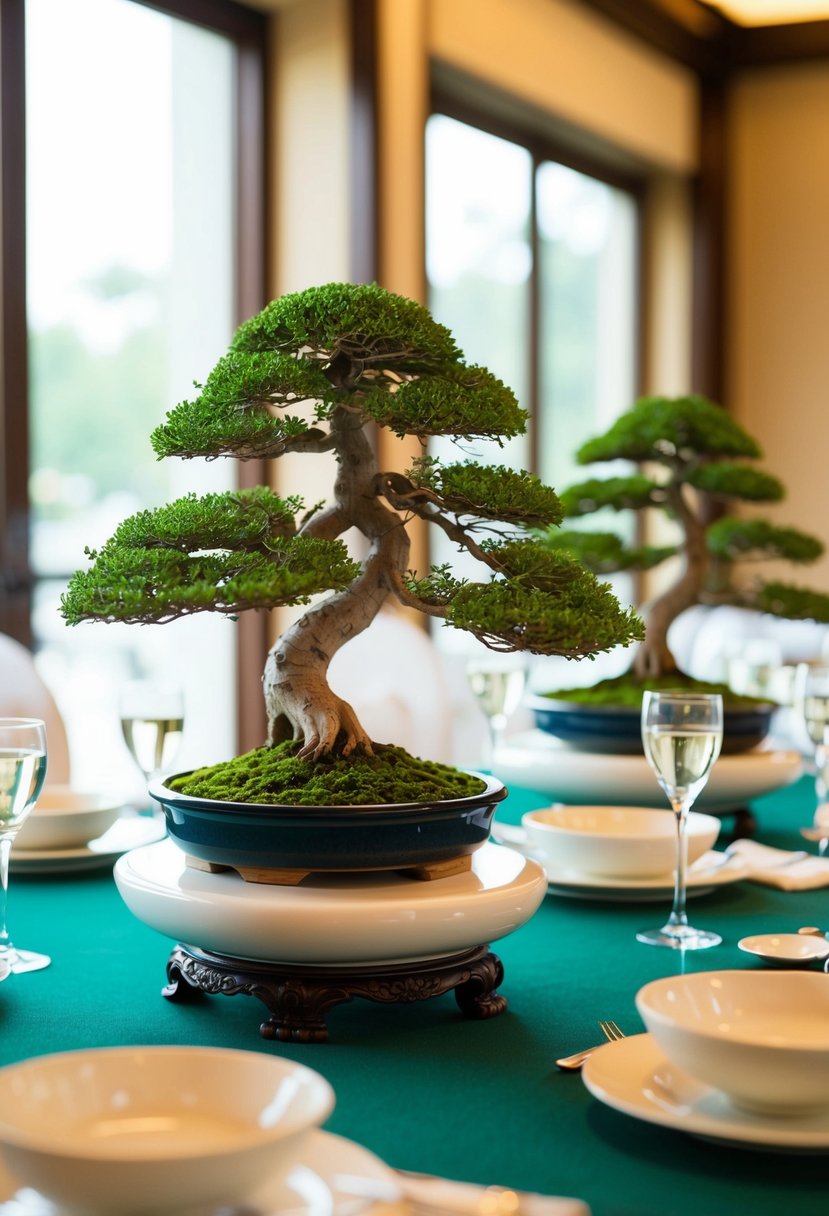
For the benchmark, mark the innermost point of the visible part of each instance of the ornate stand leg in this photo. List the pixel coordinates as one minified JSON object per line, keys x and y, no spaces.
{"x":745,"y":825}
{"x":298,"y":998}
{"x":476,"y":996}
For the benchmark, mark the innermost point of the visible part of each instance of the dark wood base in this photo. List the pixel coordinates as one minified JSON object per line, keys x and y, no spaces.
{"x":298,"y":998}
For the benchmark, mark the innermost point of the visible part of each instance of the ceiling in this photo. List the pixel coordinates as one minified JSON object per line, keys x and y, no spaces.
{"x":771,"y":12}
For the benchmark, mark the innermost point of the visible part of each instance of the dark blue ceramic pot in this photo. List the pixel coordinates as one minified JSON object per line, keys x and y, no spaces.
{"x":314,"y":838}
{"x":616,"y":729}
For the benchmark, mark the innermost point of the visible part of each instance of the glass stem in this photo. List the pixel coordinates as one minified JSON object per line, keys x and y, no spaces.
{"x":5,"y":850}
{"x":678,"y":917}
{"x":821,"y":753}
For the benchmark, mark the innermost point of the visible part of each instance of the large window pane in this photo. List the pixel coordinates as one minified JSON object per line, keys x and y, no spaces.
{"x":484,"y":195}
{"x":479,"y":260}
{"x":129,"y":284}
{"x":587,"y":262}
{"x":478,"y":253}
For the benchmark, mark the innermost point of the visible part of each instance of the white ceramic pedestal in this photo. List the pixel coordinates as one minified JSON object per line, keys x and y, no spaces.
{"x":302,"y":949}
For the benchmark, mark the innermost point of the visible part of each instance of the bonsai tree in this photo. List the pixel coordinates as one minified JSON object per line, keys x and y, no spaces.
{"x":314,"y":373}
{"x":696,"y":457}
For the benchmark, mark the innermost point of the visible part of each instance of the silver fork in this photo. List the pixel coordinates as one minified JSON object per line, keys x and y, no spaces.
{"x":574,"y":1062}
{"x":611,"y":1031}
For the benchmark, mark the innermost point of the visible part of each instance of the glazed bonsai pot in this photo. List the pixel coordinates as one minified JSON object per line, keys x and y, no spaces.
{"x":319,"y":838}
{"x":616,"y":729}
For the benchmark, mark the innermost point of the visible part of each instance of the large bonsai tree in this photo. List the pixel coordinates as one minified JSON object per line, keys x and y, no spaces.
{"x":694,"y":469}
{"x":315,"y":372}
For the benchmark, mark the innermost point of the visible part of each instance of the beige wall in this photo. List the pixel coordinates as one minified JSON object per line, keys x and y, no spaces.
{"x":778,"y":287}
{"x":563,"y":59}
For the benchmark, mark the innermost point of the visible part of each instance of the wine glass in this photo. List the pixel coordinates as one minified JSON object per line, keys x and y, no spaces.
{"x":22,"y":770}
{"x":812,"y":700}
{"x":498,"y":684}
{"x":682,"y":737}
{"x":152,"y":722}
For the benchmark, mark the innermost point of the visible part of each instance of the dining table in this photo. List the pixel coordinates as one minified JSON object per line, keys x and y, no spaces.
{"x":429,"y":1090}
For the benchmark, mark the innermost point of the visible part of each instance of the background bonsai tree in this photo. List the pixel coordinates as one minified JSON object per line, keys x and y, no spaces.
{"x":313,"y":373}
{"x":696,"y":455}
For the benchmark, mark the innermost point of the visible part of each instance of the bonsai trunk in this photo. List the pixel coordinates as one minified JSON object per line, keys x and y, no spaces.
{"x":298,"y":698}
{"x":653,"y":656}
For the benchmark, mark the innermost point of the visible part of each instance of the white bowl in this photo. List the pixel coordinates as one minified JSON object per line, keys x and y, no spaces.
{"x":64,"y":818}
{"x":616,"y":841}
{"x":147,"y":1129}
{"x":762,"y":1037}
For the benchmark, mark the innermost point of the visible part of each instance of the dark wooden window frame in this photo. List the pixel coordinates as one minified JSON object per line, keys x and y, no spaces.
{"x":248,"y":30}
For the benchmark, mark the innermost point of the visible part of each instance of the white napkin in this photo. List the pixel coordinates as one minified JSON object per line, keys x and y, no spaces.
{"x":778,"y":867}
{"x":466,"y":1197}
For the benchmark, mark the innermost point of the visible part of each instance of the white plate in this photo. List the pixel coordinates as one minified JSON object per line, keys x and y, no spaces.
{"x":707,"y":873}
{"x":631,"y":1075}
{"x":786,"y":949}
{"x":327,"y":1182}
{"x":379,"y":917}
{"x":539,"y":761}
{"x":126,"y":833}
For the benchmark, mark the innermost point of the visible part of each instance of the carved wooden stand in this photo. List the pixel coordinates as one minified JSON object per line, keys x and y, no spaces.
{"x":298,"y":998}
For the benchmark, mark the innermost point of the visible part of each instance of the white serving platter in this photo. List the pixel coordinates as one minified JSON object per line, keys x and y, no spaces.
{"x":632,"y":1076}
{"x":712,"y":870}
{"x":538,"y":761}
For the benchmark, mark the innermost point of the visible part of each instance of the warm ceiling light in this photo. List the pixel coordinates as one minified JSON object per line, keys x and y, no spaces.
{"x":771,"y":12}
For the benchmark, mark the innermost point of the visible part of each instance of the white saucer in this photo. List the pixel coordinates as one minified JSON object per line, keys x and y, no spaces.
{"x":786,"y":949}
{"x":334,"y":919}
{"x":541,"y":762}
{"x":631,"y":1075}
{"x":126,"y":833}
{"x":707,"y":873}
{"x":336,"y":1177}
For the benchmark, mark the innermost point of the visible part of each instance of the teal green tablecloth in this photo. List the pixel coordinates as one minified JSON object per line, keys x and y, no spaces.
{"x":419,"y":1085}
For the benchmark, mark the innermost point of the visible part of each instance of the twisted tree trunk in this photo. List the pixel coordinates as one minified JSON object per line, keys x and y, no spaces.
{"x":653,"y":657}
{"x":298,"y":698}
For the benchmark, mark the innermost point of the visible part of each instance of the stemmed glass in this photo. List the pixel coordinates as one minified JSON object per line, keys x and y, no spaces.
{"x":152,"y":722}
{"x":22,"y":771}
{"x":498,"y":684}
{"x":812,"y":700}
{"x":682,"y":737}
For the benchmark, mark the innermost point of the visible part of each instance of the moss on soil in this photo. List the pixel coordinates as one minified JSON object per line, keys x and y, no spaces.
{"x":626,"y":691}
{"x":276,"y":776}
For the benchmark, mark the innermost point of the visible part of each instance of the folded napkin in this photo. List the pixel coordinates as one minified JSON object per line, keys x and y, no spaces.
{"x":424,"y":1191}
{"x":780,"y":868}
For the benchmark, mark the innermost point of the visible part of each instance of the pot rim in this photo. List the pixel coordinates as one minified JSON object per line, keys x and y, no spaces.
{"x":494,"y":791}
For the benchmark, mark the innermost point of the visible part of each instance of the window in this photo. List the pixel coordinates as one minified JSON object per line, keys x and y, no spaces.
{"x":533,"y":266}
{"x":131,"y":292}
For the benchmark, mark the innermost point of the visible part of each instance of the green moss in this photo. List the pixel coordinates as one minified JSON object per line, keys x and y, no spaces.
{"x":626,"y":691}
{"x":275,"y":775}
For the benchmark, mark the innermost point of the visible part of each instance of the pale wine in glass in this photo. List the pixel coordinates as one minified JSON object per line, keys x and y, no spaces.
{"x":682,"y":737}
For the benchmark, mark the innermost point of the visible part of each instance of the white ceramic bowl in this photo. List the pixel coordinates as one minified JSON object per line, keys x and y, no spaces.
{"x":64,"y":818}
{"x":147,"y":1129}
{"x":616,"y":841}
{"x":762,"y":1037}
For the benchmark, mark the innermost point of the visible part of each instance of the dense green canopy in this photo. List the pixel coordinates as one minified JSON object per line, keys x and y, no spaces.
{"x":696,"y":456}
{"x":315,"y":372}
